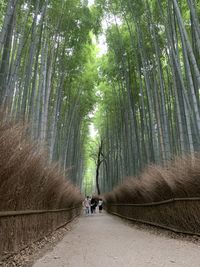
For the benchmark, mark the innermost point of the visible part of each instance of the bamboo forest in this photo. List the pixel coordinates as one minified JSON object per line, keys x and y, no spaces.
{"x":107,"y":94}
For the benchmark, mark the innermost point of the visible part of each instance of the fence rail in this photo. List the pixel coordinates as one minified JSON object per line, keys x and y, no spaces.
{"x":20,"y":228}
{"x":180,"y":215}
{"x":157,"y":202}
{"x":29,"y":212}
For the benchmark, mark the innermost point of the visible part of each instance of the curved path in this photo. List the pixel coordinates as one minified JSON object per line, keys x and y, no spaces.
{"x":101,"y":240}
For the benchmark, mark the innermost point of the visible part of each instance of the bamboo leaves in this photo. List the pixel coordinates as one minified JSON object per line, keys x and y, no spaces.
{"x":156,"y":57}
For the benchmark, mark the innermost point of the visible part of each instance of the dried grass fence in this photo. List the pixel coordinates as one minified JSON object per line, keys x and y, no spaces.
{"x":20,"y":229}
{"x":164,"y":197}
{"x":35,"y":196}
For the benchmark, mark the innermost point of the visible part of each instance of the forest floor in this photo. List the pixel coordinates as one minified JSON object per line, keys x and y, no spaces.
{"x":101,"y":240}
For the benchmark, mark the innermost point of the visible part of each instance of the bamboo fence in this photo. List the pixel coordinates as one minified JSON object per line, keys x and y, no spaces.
{"x":18,"y":229}
{"x":180,"y":215}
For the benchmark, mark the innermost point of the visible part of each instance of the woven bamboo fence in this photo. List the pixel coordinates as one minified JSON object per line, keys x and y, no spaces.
{"x":18,"y":229}
{"x":181,"y":215}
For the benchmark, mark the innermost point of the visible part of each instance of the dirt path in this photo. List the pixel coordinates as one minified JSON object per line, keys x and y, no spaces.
{"x":105,"y":241}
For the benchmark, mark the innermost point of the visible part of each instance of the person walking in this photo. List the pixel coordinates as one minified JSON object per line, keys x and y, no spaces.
{"x":100,"y":204}
{"x":93,"y":204}
{"x":87,"y":204}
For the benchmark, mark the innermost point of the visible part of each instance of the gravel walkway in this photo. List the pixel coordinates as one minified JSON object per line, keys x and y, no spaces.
{"x":101,"y":240}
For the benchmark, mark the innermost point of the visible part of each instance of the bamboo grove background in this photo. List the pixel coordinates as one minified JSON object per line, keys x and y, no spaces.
{"x":149,"y":85}
{"x":144,"y":90}
{"x":47,"y":74}
{"x":46,"y":84}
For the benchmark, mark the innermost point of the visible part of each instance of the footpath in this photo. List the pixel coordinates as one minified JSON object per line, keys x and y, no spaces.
{"x":101,"y":240}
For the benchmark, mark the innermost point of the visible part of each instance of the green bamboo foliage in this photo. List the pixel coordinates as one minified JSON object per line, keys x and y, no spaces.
{"x":47,"y":74}
{"x":148,"y":82}
{"x":151,"y":72}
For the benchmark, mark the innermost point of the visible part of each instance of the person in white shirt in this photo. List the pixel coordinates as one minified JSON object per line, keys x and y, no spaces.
{"x":86,"y":204}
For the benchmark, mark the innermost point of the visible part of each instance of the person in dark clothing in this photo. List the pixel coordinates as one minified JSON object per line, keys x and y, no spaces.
{"x":100,"y":204}
{"x":93,"y":204}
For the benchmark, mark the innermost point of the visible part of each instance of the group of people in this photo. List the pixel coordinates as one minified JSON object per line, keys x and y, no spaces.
{"x":90,"y":204}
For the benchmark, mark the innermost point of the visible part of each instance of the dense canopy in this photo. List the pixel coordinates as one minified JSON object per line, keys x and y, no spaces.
{"x":141,"y":93}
